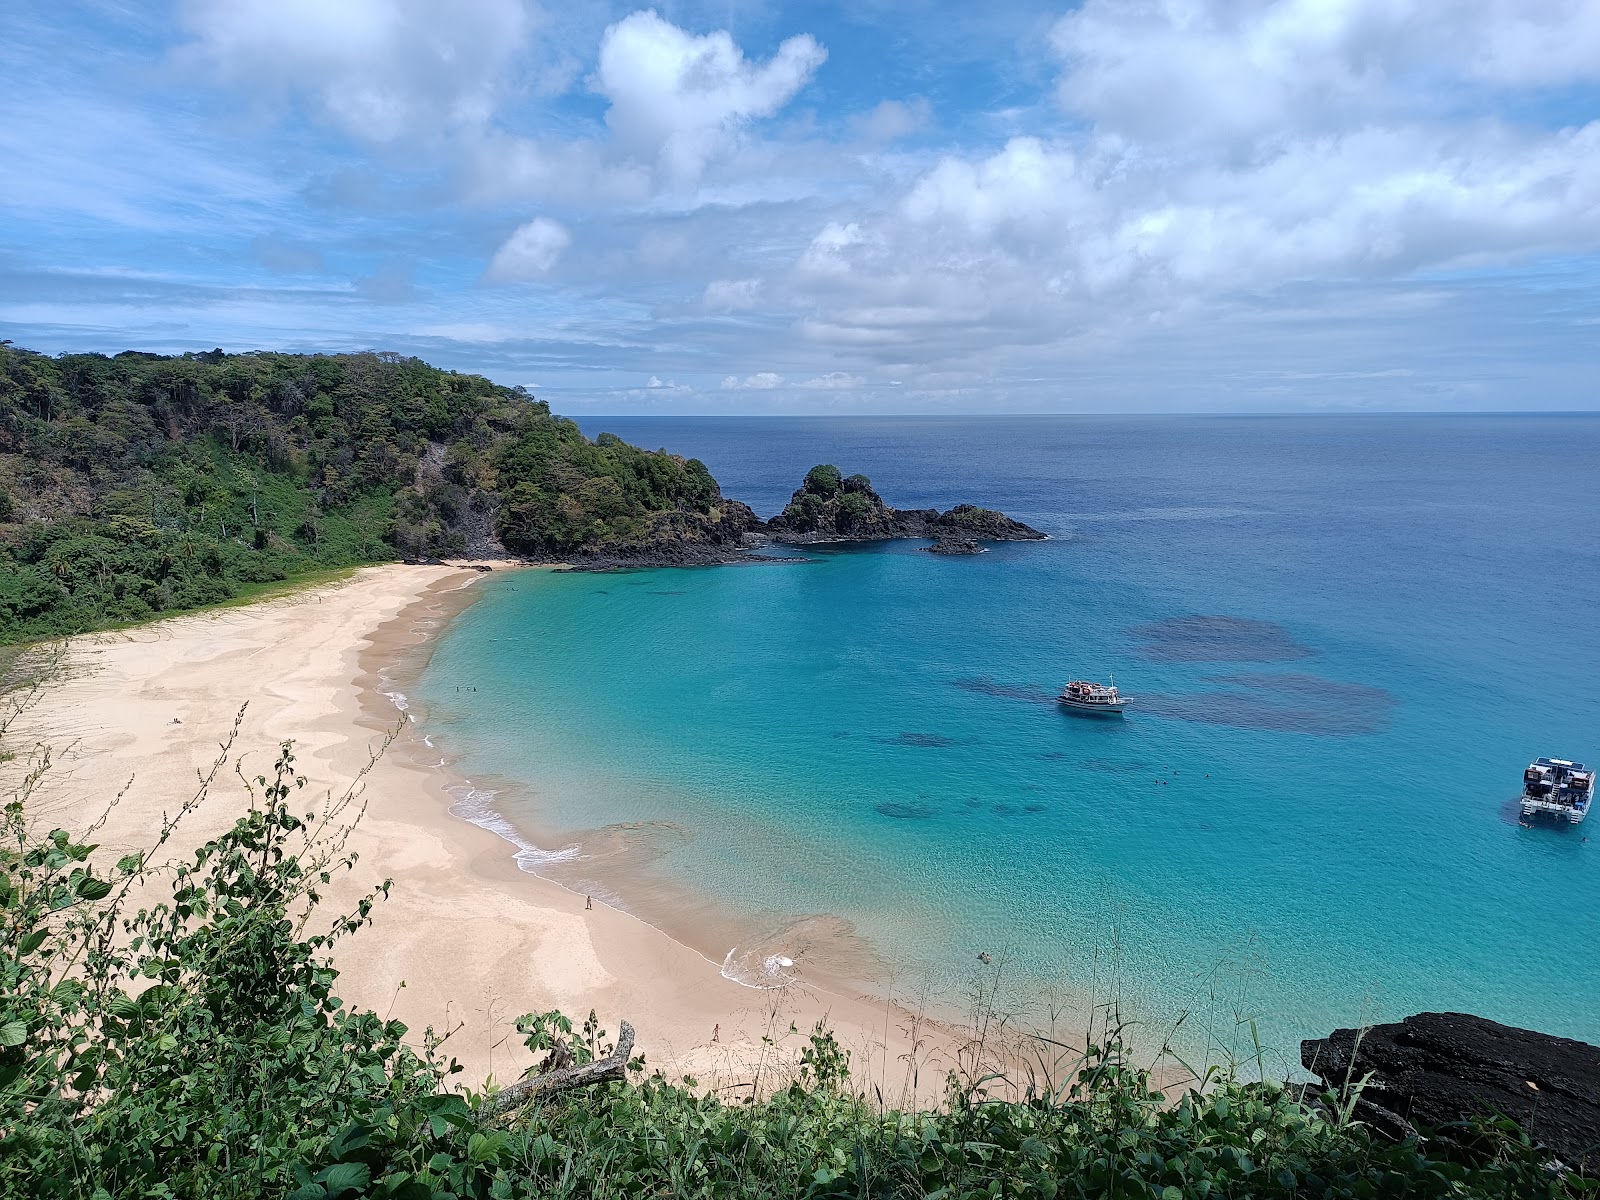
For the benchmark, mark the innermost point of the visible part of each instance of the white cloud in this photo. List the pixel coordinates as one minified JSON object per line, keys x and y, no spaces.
{"x":761,"y":381}
{"x":676,"y":98}
{"x":1225,"y":148}
{"x":529,"y":252}
{"x":892,"y":119}
{"x":379,"y":70}
{"x":833,"y":381}
{"x":1245,"y":68}
{"x":731,"y":295}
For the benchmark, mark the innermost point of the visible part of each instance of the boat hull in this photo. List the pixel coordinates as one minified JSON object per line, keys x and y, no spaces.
{"x":1570,"y":814}
{"x":1092,"y":710}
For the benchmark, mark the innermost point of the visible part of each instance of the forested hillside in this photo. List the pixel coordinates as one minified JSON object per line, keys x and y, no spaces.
{"x":140,"y":483}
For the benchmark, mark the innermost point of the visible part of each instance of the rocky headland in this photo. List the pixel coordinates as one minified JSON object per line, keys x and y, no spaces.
{"x":729,"y":532}
{"x":827,"y":507}
{"x":830,"y":507}
{"x":1430,"y":1073}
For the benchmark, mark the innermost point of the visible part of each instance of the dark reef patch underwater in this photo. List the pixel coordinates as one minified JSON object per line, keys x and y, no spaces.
{"x":1281,"y":703}
{"x":1217,"y":639}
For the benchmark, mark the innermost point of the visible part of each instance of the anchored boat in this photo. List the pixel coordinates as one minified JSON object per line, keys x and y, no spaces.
{"x":1098,"y":699}
{"x":1557,"y":787}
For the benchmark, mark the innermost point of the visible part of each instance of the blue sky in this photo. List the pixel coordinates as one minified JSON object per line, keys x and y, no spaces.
{"x":1121,"y":205}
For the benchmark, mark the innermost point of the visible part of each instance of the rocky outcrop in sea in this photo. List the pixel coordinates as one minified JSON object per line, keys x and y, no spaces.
{"x":830,"y":507}
{"x":1430,"y":1072}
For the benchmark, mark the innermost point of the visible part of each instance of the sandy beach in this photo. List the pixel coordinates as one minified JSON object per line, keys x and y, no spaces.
{"x":465,"y":941}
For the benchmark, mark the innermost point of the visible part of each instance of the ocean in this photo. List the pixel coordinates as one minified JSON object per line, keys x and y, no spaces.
{"x":1346,"y":635}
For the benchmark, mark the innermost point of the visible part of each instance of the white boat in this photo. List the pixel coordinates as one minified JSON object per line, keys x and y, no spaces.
{"x":1557,"y":787}
{"x":1098,"y":699}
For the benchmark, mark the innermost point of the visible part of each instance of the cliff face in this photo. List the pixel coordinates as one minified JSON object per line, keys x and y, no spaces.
{"x":829,"y":507}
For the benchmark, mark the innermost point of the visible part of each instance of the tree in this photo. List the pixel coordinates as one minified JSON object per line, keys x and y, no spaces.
{"x":822,"y":480}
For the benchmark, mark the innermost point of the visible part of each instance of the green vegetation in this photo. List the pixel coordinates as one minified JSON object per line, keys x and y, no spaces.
{"x":142,"y":484}
{"x":823,"y":480}
{"x":172,"y":1028}
{"x":827,"y":500}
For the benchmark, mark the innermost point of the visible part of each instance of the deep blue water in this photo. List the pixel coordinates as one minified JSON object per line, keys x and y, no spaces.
{"x":1305,"y":817}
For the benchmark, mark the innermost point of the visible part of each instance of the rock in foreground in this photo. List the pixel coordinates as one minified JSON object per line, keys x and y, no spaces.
{"x":1433,"y":1069}
{"x":829,"y":507}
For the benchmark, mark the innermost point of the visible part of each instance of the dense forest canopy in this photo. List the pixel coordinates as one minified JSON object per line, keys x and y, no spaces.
{"x":144,"y":483}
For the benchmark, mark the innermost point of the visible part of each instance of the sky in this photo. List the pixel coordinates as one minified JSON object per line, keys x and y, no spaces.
{"x":877,"y":206}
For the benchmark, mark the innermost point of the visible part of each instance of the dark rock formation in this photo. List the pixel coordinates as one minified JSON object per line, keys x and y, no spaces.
{"x":968,"y":520}
{"x":831,"y":508}
{"x":680,"y":538}
{"x":1434,"y":1069}
{"x":950,"y":543}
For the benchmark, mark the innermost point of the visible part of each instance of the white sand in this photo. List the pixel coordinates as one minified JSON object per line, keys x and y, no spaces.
{"x":474,"y":941}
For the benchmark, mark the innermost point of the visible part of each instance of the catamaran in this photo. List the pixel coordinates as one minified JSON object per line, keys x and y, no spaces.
{"x":1097,"y":698}
{"x":1557,"y":787}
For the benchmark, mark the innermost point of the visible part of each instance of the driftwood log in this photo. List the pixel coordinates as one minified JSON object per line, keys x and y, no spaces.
{"x":562,"y":1079}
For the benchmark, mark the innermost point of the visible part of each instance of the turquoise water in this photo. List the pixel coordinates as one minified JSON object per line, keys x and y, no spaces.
{"x":1347,"y":635}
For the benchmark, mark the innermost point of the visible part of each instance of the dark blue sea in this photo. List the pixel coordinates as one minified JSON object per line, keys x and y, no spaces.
{"x":1345,"y":635}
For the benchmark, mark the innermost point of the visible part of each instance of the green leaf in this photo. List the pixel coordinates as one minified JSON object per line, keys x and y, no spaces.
{"x":90,"y":888}
{"x":13,"y":1033}
{"x":345,"y":1177}
{"x":32,"y":942}
{"x":129,"y":863}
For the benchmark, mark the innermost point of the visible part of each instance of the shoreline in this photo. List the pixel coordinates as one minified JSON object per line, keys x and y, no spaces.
{"x":467,"y":940}
{"x":587,"y":863}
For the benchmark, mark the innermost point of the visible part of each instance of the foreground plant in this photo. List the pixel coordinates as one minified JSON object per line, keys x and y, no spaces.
{"x":172,"y":1029}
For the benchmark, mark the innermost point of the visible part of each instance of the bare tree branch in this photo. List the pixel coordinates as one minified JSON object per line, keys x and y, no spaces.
{"x":601,"y":1070}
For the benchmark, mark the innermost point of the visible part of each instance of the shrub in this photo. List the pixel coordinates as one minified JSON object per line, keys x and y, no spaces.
{"x":822,"y":480}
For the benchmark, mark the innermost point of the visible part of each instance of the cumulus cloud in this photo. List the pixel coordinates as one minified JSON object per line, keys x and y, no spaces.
{"x":529,"y":252}
{"x":761,"y":381}
{"x":676,"y":97}
{"x":1227,"y":147}
{"x":379,"y":70}
{"x":1186,"y":68}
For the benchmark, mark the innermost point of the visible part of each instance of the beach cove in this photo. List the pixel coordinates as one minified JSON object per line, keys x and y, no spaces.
{"x":1304,"y":821}
{"x":845,"y":771}
{"x":466,"y":940}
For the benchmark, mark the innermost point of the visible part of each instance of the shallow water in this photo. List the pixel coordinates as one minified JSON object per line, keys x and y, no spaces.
{"x":1346,"y":635}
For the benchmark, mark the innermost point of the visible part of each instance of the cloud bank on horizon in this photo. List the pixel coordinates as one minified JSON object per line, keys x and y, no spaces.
{"x":892,"y":206}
